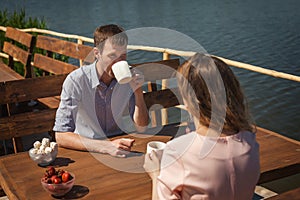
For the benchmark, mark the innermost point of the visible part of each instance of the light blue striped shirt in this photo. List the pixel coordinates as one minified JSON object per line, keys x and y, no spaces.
{"x":90,"y":108}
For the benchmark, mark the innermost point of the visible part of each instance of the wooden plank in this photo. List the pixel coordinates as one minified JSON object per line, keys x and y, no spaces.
{"x":7,"y":74}
{"x":19,"y":36}
{"x":166,"y":98}
{"x":50,"y":102}
{"x":74,"y":50}
{"x":7,"y":183}
{"x":24,"y":56}
{"x":16,"y":52}
{"x":31,"y":88}
{"x":290,"y":195}
{"x":278,"y":173}
{"x":280,"y":157}
{"x":159,"y":70}
{"x":27,"y":123}
{"x":5,"y":128}
{"x":51,"y":65}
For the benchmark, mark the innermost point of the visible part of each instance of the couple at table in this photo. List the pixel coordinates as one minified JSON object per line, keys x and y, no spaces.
{"x":218,"y":160}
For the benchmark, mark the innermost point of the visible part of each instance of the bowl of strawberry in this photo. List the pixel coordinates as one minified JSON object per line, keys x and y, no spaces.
{"x":57,"y":182}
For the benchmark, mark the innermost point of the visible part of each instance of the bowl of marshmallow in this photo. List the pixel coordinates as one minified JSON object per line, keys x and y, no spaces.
{"x":43,"y":153}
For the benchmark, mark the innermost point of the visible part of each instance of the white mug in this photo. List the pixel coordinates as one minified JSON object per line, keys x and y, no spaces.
{"x":156,"y":146}
{"x":122,"y":72}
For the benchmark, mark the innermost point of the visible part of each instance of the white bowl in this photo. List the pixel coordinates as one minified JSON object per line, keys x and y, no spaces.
{"x":43,"y":159}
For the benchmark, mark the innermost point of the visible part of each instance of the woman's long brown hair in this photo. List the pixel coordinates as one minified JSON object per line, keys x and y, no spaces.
{"x":193,"y":79}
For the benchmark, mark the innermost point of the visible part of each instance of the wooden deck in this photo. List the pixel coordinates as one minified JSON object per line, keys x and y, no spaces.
{"x":290,"y":195}
{"x":280,"y":156}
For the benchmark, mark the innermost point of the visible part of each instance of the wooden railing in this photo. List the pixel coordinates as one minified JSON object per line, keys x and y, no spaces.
{"x":165,"y":53}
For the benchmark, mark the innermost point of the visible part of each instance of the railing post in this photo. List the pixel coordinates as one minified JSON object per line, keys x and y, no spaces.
{"x":166,"y":56}
{"x":164,"y":85}
{"x":79,"y":41}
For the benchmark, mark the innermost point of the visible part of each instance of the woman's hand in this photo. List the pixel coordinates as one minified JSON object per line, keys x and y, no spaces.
{"x":152,"y":164}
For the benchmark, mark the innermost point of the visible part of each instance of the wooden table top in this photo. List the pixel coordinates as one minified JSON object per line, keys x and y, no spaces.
{"x":7,"y":74}
{"x":97,"y":176}
{"x":100,"y":176}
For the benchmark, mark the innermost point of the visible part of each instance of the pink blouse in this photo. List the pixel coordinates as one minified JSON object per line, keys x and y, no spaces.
{"x":200,"y":167}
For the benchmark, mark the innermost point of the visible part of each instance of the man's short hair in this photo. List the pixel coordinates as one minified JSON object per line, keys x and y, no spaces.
{"x":110,"y":31}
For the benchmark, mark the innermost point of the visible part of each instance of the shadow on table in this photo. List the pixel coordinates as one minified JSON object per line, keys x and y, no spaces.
{"x":134,"y":154}
{"x":78,"y":191}
{"x":61,"y":161}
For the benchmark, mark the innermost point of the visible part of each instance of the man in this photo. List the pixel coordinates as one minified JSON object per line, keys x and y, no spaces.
{"x":92,"y":102}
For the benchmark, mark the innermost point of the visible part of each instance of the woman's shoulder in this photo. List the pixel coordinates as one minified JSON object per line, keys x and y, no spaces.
{"x":182,"y":142}
{"x":181,"y":138}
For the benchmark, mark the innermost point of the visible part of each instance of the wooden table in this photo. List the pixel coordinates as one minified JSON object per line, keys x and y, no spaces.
{"x":20,"y":176}
{"x":7,"y":74}
{"x":95,"y":175}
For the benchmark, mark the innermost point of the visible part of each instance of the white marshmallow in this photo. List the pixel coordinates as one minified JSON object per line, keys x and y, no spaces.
{"x":34,"y":151}
{"x":40,"y":151}
{"x":46,"y":142}
{"x":42,"y":147}
{"x":53,"y":145}
{"x":48,"y":150}
{"x":36,"y":144}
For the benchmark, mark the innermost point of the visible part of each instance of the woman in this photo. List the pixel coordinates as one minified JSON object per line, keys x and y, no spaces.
{"x":220,"y":159}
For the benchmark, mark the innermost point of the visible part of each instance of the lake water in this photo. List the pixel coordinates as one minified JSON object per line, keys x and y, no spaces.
{"x":264,"y":33}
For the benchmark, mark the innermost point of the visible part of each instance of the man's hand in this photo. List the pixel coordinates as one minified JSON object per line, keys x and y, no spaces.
{"x":123,"y":143}
{"x":137,"y":80}
{"x":121,"y":147}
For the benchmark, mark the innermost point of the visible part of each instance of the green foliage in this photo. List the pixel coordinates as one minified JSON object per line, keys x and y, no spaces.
{"x":18,"y":20}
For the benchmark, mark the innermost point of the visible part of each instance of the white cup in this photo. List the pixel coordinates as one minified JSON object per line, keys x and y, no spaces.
{"x":156,"y":146}
{"x":122,"y":72}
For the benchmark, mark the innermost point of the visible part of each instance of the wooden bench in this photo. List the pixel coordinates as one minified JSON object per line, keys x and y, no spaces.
{"x":14,"y":126}
{"x":48,"y":62}
{"x":159,"y":96}
{"x":54,"y":46}
{"x":14,"y":52}
{"x":15,"y":55}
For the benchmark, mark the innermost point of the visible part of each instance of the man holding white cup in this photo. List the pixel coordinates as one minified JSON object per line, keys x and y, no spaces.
{"x":122,"y":72}
{"x":92,"y":101}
